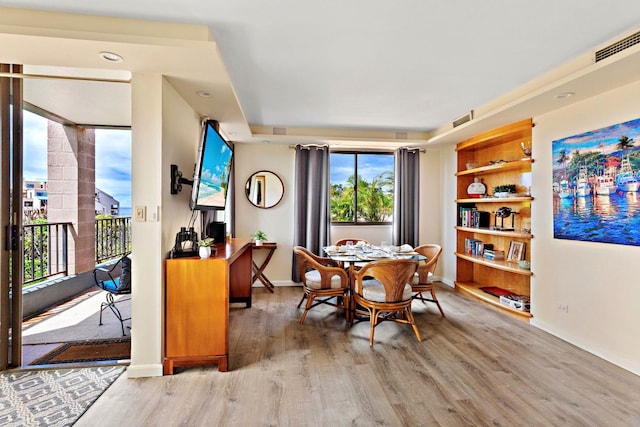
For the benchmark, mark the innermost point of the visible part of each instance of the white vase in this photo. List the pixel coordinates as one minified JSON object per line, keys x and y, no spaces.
{"x":258,"y":242}
{"x":204,"y":251}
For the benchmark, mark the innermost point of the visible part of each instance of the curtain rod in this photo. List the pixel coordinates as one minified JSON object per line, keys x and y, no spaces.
{"x":309,"y":146}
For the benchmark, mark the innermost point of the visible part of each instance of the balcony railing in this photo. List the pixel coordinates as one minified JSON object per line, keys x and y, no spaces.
{"x":113,"y":238}
{"x":46,"y":246}
{"x":45,"y":251}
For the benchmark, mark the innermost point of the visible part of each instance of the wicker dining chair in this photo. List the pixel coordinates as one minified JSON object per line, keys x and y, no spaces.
{"x":423,"y":278}
{"x":322,"y":280}
{"x":383,"y":289}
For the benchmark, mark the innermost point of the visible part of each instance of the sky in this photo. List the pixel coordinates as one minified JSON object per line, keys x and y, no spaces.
{"x":369,"y":166}
{"x":113,"y":157}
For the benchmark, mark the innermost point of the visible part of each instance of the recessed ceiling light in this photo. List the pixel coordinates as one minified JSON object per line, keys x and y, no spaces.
{"x":204,"y":93}
{"x":111,"y":57}
{"x":564,"y":95}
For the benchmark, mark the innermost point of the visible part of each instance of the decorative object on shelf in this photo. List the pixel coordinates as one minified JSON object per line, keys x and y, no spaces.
{"x":526,"y":148}
{"x":524,"y":264}
{"x":471,"y":165}
{"x":476,"y":189}
{"x":516,"y":251}
{"x":497,"y":162}
{"x":204,"y":247}
{"x":259,"y":237}
{"x":204,"y":252}
{"x":505,"y":190}
{"x":502,"y":213}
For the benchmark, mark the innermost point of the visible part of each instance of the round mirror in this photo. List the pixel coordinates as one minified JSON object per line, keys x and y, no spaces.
{"x":264,"y":189}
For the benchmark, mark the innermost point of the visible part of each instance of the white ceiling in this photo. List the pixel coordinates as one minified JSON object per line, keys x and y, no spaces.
{"x":337,"y":67}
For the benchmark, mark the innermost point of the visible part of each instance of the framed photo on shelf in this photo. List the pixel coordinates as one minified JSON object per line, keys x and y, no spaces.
{"x":516,"y":251}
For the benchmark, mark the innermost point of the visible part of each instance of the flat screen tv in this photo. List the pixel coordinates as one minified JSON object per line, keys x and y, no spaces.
{"x":213,"y":166}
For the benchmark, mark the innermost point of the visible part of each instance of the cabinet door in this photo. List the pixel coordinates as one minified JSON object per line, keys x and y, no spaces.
{"x":196,"y":307}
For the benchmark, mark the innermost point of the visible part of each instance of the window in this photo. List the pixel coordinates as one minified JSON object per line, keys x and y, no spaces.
{"x":367,"y":199}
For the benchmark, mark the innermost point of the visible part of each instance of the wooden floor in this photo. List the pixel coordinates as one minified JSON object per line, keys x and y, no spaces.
{"x":473,"y":368}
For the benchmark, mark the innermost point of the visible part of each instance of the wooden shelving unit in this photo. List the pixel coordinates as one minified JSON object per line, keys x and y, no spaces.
{"x":499,"y":159}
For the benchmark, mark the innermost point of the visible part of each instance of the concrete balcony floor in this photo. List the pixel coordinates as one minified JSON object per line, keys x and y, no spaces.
{"x":74,"y":320}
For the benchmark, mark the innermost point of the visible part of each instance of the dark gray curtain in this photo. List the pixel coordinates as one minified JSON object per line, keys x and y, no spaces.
{"x":406,"y":201}
{"x":312,"y":217}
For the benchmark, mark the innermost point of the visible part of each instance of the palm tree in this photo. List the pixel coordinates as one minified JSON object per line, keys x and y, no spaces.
{"x":562,"y":159}
{"x":624,"y":143}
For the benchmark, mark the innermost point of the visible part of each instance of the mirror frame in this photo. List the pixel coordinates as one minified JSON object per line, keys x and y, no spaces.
{"x":264,"y":182}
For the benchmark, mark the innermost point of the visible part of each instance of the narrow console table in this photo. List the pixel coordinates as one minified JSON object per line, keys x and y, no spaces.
{"x":197,"y":296}
{"x":258,"y":270}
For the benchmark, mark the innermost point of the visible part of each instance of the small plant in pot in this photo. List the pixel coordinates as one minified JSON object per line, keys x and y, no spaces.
{"x":204,"y":247}
{"x":259,"y":237}
{"x":505,"y":190}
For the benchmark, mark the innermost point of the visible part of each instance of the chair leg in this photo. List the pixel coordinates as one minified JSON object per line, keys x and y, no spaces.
{"x":413,"y":323}
{"x":111,"y":303}
{"x":435,"y":299}
{"x":310,"y":299}
{"x":304,"y":294}
{"x":373,"y":316}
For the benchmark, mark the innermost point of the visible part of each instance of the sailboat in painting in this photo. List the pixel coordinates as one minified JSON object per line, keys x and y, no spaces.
{"x":564,"y":190}
{"x":605,"y":183}
{"x":626,"y":179}
{"x":583,"y":189}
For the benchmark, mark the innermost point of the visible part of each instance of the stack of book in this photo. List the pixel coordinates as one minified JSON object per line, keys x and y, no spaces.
{"x":495,"y":254}
{"x":470,"y":216}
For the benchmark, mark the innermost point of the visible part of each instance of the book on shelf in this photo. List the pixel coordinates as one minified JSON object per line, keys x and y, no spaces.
{"x":473,"y":246}
{"x":470,"y":216}
{"x":494,"y":254}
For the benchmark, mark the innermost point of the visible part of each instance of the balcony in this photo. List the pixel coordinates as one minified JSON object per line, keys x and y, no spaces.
{"x":58,"y":307}
{"x":46,"y":282}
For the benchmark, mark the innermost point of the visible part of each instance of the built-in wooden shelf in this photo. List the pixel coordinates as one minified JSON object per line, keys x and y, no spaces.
{"x":483,"y":230}
{"x":500,"y":264}
{"x":502,"y":200}
{"x":514,"y":164}
{"x":473,"y":290}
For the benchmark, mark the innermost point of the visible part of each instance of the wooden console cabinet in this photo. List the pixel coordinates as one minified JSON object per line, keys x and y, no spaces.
{"x":197,"y":296}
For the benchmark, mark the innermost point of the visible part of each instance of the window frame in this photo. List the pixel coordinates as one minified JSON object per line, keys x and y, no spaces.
{"x":356,"y":153}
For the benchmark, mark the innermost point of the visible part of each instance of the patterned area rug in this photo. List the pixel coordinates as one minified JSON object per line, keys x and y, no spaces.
{"x":56,"y":397}
{"x":88,"y":351}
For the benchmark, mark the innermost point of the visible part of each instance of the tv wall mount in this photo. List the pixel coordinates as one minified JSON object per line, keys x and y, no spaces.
{"x":177,"y":180}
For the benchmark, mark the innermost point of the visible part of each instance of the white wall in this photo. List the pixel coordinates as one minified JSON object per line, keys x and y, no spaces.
{"x":598,"y":281}
{"x":147,"y":255}
{"x":276,"y":222}
{"x":165,"y":130}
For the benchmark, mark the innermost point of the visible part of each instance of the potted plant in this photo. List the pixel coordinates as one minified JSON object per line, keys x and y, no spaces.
{"x":259,"y":237}
{"x":204,"y":247}
{"x":504,"y":190}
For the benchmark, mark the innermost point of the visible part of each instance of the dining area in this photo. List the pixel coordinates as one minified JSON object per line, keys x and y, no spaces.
{"x":366,"y":282}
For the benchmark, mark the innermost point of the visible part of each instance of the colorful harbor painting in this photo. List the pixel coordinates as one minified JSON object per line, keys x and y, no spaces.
{"x":596,"y":183}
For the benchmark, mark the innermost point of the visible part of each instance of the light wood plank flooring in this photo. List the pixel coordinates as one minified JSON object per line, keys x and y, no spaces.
{"x":473,"y":368}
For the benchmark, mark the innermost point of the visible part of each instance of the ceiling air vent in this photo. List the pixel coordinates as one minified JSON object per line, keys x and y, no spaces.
{"x":618,"y":46}
{"x":402,"y":135}
{"x":464,"y":119}
{"x":279,"y":131}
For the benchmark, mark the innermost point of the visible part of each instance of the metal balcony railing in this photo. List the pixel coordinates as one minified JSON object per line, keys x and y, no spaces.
{"x":46,"y":246}
{"x":113,"y":238}
{"x":45,"y":251}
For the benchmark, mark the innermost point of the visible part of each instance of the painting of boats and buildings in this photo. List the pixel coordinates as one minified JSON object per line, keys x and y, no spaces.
{"x":596,"y":185}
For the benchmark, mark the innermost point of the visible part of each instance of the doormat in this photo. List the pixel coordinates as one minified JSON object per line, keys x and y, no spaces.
{"x":88,"y":351}
{"x":52,"y":397}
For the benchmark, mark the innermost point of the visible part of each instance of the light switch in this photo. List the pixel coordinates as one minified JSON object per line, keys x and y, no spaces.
{"x":154,"y":213}
{"x":140,"y":213}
